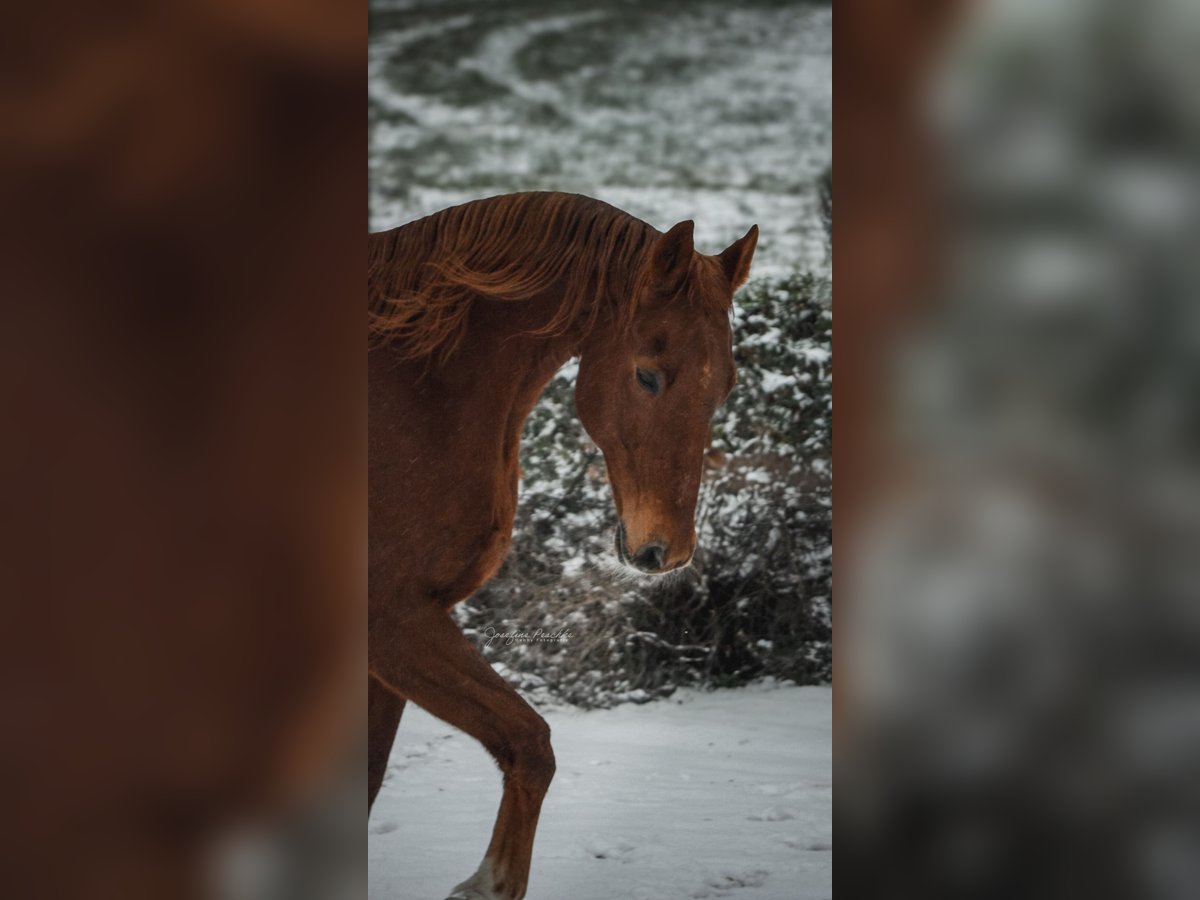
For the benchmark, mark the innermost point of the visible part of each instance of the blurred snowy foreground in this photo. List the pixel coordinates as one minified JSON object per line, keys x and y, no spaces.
{"x":725,"y":794}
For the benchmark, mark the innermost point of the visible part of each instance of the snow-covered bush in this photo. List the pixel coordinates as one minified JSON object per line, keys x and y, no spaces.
{"x":757,"y":600}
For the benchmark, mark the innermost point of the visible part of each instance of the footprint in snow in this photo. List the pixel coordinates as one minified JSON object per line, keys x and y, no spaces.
{"x":619,"y":850}
{"x":726,"y":882}
{"x":808,"y":846}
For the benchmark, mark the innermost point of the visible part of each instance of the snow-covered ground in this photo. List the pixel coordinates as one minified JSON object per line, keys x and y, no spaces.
{"x":707,"y":795}
{"x":704,"y":110}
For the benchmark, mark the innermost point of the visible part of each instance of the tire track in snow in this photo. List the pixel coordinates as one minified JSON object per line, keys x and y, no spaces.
{"x":496,"y":59}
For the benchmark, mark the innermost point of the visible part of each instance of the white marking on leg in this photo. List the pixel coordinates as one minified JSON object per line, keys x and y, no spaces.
{"x":478,"y":886}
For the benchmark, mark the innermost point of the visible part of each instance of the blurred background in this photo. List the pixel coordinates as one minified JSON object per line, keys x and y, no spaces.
{"x":1018,"y":657}
{"x":668,"y":110}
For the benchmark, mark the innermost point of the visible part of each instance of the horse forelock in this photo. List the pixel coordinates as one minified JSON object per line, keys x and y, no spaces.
{"x":707,"y":285}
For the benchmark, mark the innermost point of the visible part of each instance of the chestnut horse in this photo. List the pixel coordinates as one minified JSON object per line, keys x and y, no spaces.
{"x":471,"y":311}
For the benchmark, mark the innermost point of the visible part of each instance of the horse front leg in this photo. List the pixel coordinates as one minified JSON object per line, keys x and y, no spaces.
{"x":421,"y":654}
{"x":384,"y":709}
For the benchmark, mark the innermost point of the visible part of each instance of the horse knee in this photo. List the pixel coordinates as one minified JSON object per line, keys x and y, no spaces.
{"x":542,"y":762}
{"x":532,"y":763}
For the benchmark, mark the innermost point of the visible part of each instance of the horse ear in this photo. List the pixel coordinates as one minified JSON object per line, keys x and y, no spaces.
{"x":673,"y":255}
{"x":735,"y":259}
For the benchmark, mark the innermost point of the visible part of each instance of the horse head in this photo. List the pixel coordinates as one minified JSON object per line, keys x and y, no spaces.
{"x":647,"y":392}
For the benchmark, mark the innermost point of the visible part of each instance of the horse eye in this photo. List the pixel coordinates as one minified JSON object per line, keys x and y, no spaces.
{"x":648,"y":381}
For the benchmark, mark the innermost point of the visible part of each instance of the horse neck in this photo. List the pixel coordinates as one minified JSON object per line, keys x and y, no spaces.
{"x":502,"y":361}
{"x":503,"y":365}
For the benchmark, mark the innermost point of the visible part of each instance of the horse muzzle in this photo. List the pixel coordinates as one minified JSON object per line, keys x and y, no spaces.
{"x":652,"y":557}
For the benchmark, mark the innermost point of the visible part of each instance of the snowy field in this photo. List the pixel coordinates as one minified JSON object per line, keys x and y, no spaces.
{"x":707,"y":110}
{"x":707,"y":795}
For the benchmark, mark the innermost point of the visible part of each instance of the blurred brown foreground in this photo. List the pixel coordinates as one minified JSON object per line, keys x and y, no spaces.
{"x":182,"y":199}
{"x":1018,"y":564}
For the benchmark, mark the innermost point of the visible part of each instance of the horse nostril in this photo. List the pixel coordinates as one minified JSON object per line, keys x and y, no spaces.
{"x":651,"y":558}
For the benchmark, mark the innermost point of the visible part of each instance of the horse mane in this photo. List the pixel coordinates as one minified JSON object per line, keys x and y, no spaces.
{"x":423,"y":277}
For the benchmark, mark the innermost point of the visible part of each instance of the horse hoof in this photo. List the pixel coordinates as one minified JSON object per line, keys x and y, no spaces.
{"x":477,"y":887}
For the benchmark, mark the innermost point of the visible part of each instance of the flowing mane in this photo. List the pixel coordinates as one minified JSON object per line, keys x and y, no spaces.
{"x":423,"y":277}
